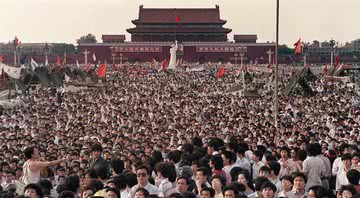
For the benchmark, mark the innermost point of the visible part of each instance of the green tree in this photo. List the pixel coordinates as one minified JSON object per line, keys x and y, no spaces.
{"x":61,"y":48}
{"x":90,"y":38}
{"x":284,"y":49}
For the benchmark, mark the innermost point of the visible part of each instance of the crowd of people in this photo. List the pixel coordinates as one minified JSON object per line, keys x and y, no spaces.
{"x":181,"y":135}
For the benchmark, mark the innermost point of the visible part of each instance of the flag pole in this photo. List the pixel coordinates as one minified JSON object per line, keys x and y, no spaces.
{"x":276,"y":65}
{"x":15,"y":55}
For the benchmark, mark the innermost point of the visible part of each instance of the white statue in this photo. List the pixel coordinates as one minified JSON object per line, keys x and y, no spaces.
{"x":172,"y":62}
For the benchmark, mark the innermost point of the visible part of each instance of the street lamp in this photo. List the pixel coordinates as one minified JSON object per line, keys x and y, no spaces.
{"x":276,"y":64}
{"x":305,"y":51}
{"x":121,"y":55}
{"x":46,"y":51}
{"x":236,"y":55}
{"x":332,"y":44}
{"x":113,"y":57}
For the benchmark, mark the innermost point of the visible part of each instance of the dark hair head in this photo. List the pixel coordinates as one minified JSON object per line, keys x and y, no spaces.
{"x":312,"y":149}
{"x":116,"y":191}
{"x":28,"y":152}
{"x":96,"y":147}
{"x":187,"y":148}
{"x":258,"y":154}
{"x":117,"y":165}
{"x":346,"y":156}
{"x":174,"y":156}
{"x":175,"y":195}
{"x":222,"y":179}
{"x":268,"y":184}
{"x":66,"y":194}
{"x":204,"y":170}
{"x":188,"y":195}
{"x":234,"y":173}
{"x":143,"y":167}
{"x":168,"y":171}
{"x":184,"y":178}
{"x":275,"y":167}
{"x":259,"y":181}
{"x":120,"y":181}
{"x":37,"y":189}
{"x":145,"y":192}
{"x":302,"y":155}
{"x":46,"y":186}
{"x":322,"y":192}
{"x":230,"y":155}
{"x":353,"y":176}
{"x":72,"y":183}
{"x":288,"y":178}
{"x":217,"y":161}
{"x":349,"y":188}
{"x":96,"y":185}
{"x":102,"y":170}
{"x":212,"y":191}
{"x":131,"y":179}
{"x":196,"y":141}
{"x":230,"y":187}
{"x":299,"y":174}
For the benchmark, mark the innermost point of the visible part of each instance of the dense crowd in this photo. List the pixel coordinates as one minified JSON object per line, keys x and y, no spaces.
{"x":158,"y":134}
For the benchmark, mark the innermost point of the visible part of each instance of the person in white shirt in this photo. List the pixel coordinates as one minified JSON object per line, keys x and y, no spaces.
{"x":257,"y":163}
{"x":242,"y":161}
{"x":338,"y":165}
{"x":228,"y":161}
{"x":33,"y":165}
{"x":166,"y":174}
{"x":143,"y":175}
{"x":341,"y":178}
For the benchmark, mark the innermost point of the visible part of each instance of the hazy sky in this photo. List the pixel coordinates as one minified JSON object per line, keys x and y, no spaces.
{"x":67,"y":20}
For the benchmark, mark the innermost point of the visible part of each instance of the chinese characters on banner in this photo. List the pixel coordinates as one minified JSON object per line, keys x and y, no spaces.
{"x":137,"y":49}
{"x":221,"y":49}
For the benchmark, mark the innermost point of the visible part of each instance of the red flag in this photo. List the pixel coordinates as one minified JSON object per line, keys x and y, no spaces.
{"x":164,"y":65}
{"x":177,"y":19}
{"x":57,"y":60}
{"x":298,"y":47}
{"x":1,"y":59}
{"x":337,"y":60}
{"x":87,"y":67}
{"x":221,"y":72}
{"x":101,"y":71}
{"x":58,"y":68}
{"x":153,"y":60}
{"x":16,"y":41}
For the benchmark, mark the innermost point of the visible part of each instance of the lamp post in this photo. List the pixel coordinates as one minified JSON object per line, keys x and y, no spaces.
{"x":113,"y":57}
{"x":46,"y":52}
{"x":305,"y":51}
{"x":276,"y":65}
{"x":332,"y":44}
{"x":242,"y":54}
{"x":121,"y":55}
{"x":236,"y":55}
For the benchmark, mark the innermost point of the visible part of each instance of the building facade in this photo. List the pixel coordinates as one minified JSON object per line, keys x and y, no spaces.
{"x":200,"y":34}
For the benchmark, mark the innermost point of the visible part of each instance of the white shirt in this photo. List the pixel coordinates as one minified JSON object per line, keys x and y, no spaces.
{"x":337,"y":165}
{"x":341,"y":179}
{"x":243,"y":163}
{"x":153,"y":190}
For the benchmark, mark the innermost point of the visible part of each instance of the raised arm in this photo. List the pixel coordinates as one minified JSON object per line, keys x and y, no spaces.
{"x":39,"y":165}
